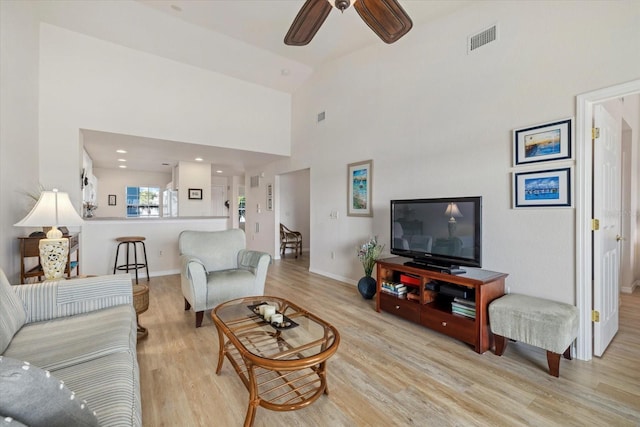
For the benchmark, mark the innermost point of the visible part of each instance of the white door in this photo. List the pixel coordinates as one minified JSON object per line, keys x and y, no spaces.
{"x":606,"y":244}
{"x":217,"y":199}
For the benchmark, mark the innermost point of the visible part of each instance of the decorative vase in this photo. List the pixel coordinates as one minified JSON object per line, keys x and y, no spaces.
{"x":367,"y":287}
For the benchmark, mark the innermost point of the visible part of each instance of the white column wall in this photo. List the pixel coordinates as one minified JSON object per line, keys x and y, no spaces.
{"x":19,"y":37}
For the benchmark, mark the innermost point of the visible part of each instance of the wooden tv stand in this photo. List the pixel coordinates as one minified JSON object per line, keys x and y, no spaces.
{"x":482,"y":285}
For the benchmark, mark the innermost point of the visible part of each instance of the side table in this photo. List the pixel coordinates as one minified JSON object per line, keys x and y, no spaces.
{"x":141,"y":304}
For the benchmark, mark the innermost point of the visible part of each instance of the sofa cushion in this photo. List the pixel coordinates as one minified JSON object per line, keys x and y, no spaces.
{"x":35,"y":398}
{"x":12,"y":313}
{"x":229,"y":284}
{"x":111,"y":387}
{"x":58,"y":343}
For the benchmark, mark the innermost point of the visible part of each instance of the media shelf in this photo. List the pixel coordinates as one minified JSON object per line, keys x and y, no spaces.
{"x":481,"y":286}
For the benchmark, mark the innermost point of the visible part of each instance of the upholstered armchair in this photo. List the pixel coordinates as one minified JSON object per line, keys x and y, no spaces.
{"x":216,"y":268}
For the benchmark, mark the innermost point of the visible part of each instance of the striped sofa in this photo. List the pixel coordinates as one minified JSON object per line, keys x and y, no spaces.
{"x":81,"y":333}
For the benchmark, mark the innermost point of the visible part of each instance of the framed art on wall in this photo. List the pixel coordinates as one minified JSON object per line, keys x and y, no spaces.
{"x":541,"y":143}
{"x":195,"y":193}
{"x":360,"y":185}
{"x":112,"y":200}
{"x":269,"y":197}
{"x":546,"y":188}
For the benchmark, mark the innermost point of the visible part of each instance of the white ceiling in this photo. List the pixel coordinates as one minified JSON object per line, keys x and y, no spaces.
{"x":157,"y":155}
{"x":249,"y":34}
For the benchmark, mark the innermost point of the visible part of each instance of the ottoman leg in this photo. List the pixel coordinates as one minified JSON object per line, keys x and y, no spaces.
{"x":567,"y":353}
{"x":554,"y":363}
{"x":187,"y":306}
{"x":501,"y":344}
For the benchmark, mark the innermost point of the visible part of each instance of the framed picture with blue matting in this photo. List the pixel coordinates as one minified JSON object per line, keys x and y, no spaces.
{"x":544,"y":188}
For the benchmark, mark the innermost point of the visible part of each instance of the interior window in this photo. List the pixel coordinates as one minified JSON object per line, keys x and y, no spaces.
{"x":143,"y":201}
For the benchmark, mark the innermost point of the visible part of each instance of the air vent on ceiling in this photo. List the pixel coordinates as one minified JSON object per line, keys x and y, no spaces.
{"x":482,"y":38}
{"x":321,"y":116}
{"x":255,"y":181}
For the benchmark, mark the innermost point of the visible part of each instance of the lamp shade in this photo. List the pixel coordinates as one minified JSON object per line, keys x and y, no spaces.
{"x":453,"y":211}
{"x":52,"y":209}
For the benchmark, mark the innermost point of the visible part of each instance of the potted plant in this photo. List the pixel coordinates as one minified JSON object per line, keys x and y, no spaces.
{"x":368,"y":253}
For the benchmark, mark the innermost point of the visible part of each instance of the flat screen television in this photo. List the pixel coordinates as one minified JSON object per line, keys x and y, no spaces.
{"x":441,"y":234}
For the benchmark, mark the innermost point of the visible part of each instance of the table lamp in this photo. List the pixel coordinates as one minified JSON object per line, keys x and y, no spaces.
{"x":453,"y":212}
{"x":52,"y":209}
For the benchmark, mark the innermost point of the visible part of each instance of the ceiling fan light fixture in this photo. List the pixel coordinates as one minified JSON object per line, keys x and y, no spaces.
{"x":341,"y":4}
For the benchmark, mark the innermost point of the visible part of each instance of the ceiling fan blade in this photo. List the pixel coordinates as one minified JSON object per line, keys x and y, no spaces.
{"x":306,"y":25}
{"x":385,"y":17}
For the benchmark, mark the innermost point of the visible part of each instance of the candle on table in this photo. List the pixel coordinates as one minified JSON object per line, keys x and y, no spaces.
{"x":269,"y":310}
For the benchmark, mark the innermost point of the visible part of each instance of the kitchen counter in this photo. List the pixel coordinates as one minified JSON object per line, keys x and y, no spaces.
{"x":98,"y":240}
{"x":172,"y":218}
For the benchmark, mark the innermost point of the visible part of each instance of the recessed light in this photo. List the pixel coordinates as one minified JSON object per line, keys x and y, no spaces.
{"x":285,"y":72}
{"x":121,"y":151}
{"x":166,"y":164}
{"x":218,"y":171}
{"x":122,"y":160}
{"x":122,"y":166}
{"x":198,"y":159}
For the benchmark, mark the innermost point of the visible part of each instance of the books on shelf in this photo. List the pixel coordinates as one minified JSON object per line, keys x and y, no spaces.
{"x":398,"y":290}
{"x":464,"y":307}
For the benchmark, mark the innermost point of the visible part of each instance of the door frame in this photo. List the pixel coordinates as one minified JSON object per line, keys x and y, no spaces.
{"x":584,"y":195}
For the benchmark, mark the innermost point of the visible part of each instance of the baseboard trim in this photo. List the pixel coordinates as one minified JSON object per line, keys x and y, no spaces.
{"x":629,"y":289}
{"x":333,"y":276}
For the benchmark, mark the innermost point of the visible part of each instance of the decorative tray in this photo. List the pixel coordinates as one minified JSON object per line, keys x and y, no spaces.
{"x":286,"y":322}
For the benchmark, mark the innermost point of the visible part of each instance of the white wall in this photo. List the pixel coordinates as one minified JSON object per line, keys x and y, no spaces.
{"x":116,"y":181}
{"x":438,"y":122}
{"x":87,"y":83}
{"x":194,"y":176}
{"x":19,"y":51}
{"x":293,"y":203}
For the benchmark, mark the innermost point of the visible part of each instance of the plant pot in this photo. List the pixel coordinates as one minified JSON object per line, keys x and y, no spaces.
{"x":367,"y":287}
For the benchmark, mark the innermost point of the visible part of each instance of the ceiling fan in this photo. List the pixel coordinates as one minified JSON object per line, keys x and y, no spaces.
{"x":385,"y":17}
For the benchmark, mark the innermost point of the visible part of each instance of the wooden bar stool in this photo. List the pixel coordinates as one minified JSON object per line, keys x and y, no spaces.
{"x":131,"y":241}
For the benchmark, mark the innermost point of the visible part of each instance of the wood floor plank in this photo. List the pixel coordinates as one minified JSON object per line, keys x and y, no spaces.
{"x":387,"y":371}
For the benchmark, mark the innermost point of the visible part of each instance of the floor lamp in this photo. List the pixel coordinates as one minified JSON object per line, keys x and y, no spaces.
{"x":52,"y":209}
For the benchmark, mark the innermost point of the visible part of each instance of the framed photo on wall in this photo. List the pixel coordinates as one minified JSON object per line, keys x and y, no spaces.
{"x":112,"y":200}
{"x":360,"y":186}
{"x":195,"y":193}
{"x":546,"y":188}
{"x":542,"y":143}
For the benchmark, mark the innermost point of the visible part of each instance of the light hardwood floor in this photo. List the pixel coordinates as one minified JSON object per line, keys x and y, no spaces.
{"x":387,"y":371}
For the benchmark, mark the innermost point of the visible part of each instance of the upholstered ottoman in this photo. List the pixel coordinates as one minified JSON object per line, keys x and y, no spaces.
{"x":547,"y":324}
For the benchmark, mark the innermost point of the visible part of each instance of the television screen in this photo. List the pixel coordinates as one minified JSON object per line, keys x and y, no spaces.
{"x":440,"y":232}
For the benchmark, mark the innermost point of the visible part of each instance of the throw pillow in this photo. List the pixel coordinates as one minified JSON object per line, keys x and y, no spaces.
{"x":34,"y":397}
{"x":10,"y":422}
{"x":12,"y":313}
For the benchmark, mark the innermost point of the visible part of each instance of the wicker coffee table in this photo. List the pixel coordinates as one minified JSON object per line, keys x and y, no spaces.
{"x":283,"y":367}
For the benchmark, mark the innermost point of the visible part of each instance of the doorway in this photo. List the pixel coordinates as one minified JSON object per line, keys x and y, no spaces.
{"x":293,"y":209}
{"x":584,"y":212}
